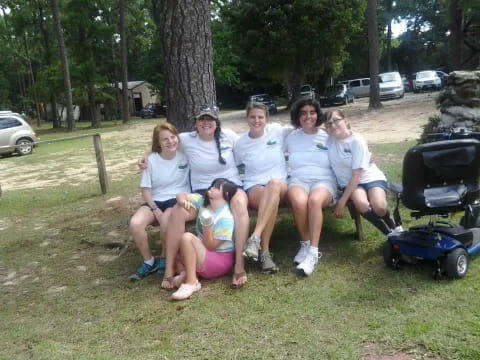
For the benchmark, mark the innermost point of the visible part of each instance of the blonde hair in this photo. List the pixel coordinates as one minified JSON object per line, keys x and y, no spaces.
{"x":156,"y":134}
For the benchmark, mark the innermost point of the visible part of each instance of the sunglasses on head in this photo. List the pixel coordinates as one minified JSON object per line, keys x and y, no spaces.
{"x":209,"y":108}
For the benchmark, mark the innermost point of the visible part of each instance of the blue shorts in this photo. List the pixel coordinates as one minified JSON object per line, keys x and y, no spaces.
{"x":164,"y":205}
{"x":377,"y":183}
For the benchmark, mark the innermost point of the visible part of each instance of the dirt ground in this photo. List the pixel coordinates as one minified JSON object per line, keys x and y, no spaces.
{"x":399,"y":120}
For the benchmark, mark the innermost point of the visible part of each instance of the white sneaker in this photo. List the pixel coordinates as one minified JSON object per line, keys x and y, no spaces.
{"x":252,"y":248}
{"x":397,"y":230}
{"x":309,"y":264}
{"x":302,"y":253}
{"x":186,"y":290}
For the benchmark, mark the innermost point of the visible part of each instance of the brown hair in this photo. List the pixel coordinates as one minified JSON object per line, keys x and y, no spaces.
{"x":156,"y":132}
{"x":256,"y":105}
{"x":327,"y":116}
{"x":298,"y":105}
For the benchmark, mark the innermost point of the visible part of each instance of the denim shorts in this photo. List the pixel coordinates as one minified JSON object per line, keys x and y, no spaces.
{"x":377,"y":183}
{"x":164,"y":205}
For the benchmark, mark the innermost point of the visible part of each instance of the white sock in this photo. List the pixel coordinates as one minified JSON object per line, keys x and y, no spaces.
{"x":313,"y":250}
{"x":150,"y":261}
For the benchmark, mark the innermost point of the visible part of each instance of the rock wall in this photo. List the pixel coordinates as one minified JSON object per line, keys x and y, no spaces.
{"x":459,"y":102}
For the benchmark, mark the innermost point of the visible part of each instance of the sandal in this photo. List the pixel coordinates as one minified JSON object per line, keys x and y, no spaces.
{"x":236,"y":278}
{"x":186,"y":290}
{"x":167,"y":283}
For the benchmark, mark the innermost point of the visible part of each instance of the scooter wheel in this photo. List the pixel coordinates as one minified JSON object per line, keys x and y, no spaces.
{"x":456,"y":263}
{"x":389,"y":257}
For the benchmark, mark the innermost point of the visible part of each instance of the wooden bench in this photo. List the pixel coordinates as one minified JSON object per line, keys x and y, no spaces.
{"x":357,"y":218}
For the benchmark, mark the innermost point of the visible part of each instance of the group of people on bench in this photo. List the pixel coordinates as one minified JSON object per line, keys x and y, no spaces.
{"x":194,"y":175}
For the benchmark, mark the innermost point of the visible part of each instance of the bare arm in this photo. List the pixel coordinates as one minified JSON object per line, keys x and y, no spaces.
{"x":208,"y":240}
{"x":185,"y":201}
{"x":352,"y":185}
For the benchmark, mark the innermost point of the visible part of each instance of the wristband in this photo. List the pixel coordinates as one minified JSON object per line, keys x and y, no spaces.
{"x":154,"y":207}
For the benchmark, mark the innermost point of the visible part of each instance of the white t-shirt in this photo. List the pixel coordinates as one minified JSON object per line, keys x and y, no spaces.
{"x":352,"y":154}
{"x":202,"y":157}
{"x":263,"y":157}
{"x":308,"y":156}
{"x":166,"y":178}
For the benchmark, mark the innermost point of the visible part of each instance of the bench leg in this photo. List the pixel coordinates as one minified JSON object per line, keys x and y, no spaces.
{"x":358,"y":220}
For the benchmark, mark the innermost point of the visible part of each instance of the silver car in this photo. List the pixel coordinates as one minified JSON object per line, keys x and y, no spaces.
{"x":15,"y":134}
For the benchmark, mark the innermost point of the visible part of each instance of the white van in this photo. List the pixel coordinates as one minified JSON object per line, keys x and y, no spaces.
{"x":360,"y":87}
{"x":391,"y":85}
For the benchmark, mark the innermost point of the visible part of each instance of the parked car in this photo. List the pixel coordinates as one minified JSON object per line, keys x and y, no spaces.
{"x":426,"y":80}
{"x":153,"y":110}
{"x":337,"y":94}
{"x":391,"y":86}
{"x":443,"y":77}
{"x":14,"y":130}
{"x":360,"y":87}
{"x":265,"y":99}
{"x":307,"y":91}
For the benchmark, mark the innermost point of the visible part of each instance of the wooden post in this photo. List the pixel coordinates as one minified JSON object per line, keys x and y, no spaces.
{"x":102,"y":171}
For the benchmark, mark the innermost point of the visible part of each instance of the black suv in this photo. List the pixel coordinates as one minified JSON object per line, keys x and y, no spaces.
{"x":153,"y":110}
{"x":265,"y":99}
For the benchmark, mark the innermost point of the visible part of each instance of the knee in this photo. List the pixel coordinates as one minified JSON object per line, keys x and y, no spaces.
{"x":239,"y":206}
{"x":275,"y":186}
{"x":186,"y":238}
{"x":361,"y":207}
{"x":379,"y":209}
{"x":135,"y":226}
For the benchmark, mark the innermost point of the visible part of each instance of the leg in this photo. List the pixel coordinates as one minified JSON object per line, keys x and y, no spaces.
{"x":318,"y":200}
{"x":361,"y":203}
{"x":238,"y":205}
{"x":175,"y":230}
{"x":266,"y":200}
{"x":193,"y":255}
{"x":378,"y":201}
{"x":163,"y":229}
{"x":298,"y":199}
{"x":137,"y":230}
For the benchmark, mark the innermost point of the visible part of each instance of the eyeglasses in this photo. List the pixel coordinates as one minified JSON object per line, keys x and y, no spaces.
{"x":209,"y":108}
{"x":330,"y":123}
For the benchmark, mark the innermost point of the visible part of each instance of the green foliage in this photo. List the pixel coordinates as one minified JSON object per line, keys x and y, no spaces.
{"x":430,"y":127}
{"x":285,"y":41}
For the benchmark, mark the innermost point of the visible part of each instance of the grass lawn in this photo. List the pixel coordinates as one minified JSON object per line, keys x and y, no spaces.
{"x":65,"y":258}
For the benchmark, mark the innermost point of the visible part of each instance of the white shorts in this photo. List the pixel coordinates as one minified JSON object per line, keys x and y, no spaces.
{"x":309,"y":186}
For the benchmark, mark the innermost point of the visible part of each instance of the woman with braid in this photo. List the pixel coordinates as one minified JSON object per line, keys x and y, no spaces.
{"x":209,"y":151}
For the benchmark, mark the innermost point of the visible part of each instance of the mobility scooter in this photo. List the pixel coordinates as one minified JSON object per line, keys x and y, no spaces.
{"x":439,"y":179}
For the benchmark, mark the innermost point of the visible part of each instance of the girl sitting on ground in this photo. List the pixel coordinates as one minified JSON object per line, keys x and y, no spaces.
{"x":360,"y":180}
{"x":165,"y":177}
{"x":211,"y":253}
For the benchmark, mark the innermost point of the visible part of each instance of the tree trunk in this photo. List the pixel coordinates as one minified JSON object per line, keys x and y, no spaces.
{"x":55,"y":119}
{"x":91,"y":105}
{"x":187,"y":56}
{"x":373,"y":55}
{"x":456,"y":35}
{"x":123,"y":36}
{"x":64,"y":60}
{"x":389,"y":34}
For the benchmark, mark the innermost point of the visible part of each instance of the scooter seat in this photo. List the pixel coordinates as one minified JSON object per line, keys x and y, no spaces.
{"x":446,"y":196}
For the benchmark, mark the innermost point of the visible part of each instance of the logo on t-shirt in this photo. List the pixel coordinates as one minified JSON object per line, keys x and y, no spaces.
{"x":182,"y":166}
{"x":271,"y":142}
{"x":321,"y":147}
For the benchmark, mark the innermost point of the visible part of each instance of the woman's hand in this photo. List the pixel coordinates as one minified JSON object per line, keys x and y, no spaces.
{"x":339,"y":210}
{"x":158,"y":214}
{"x":187,"y":205}
{"x":143,"y":162}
